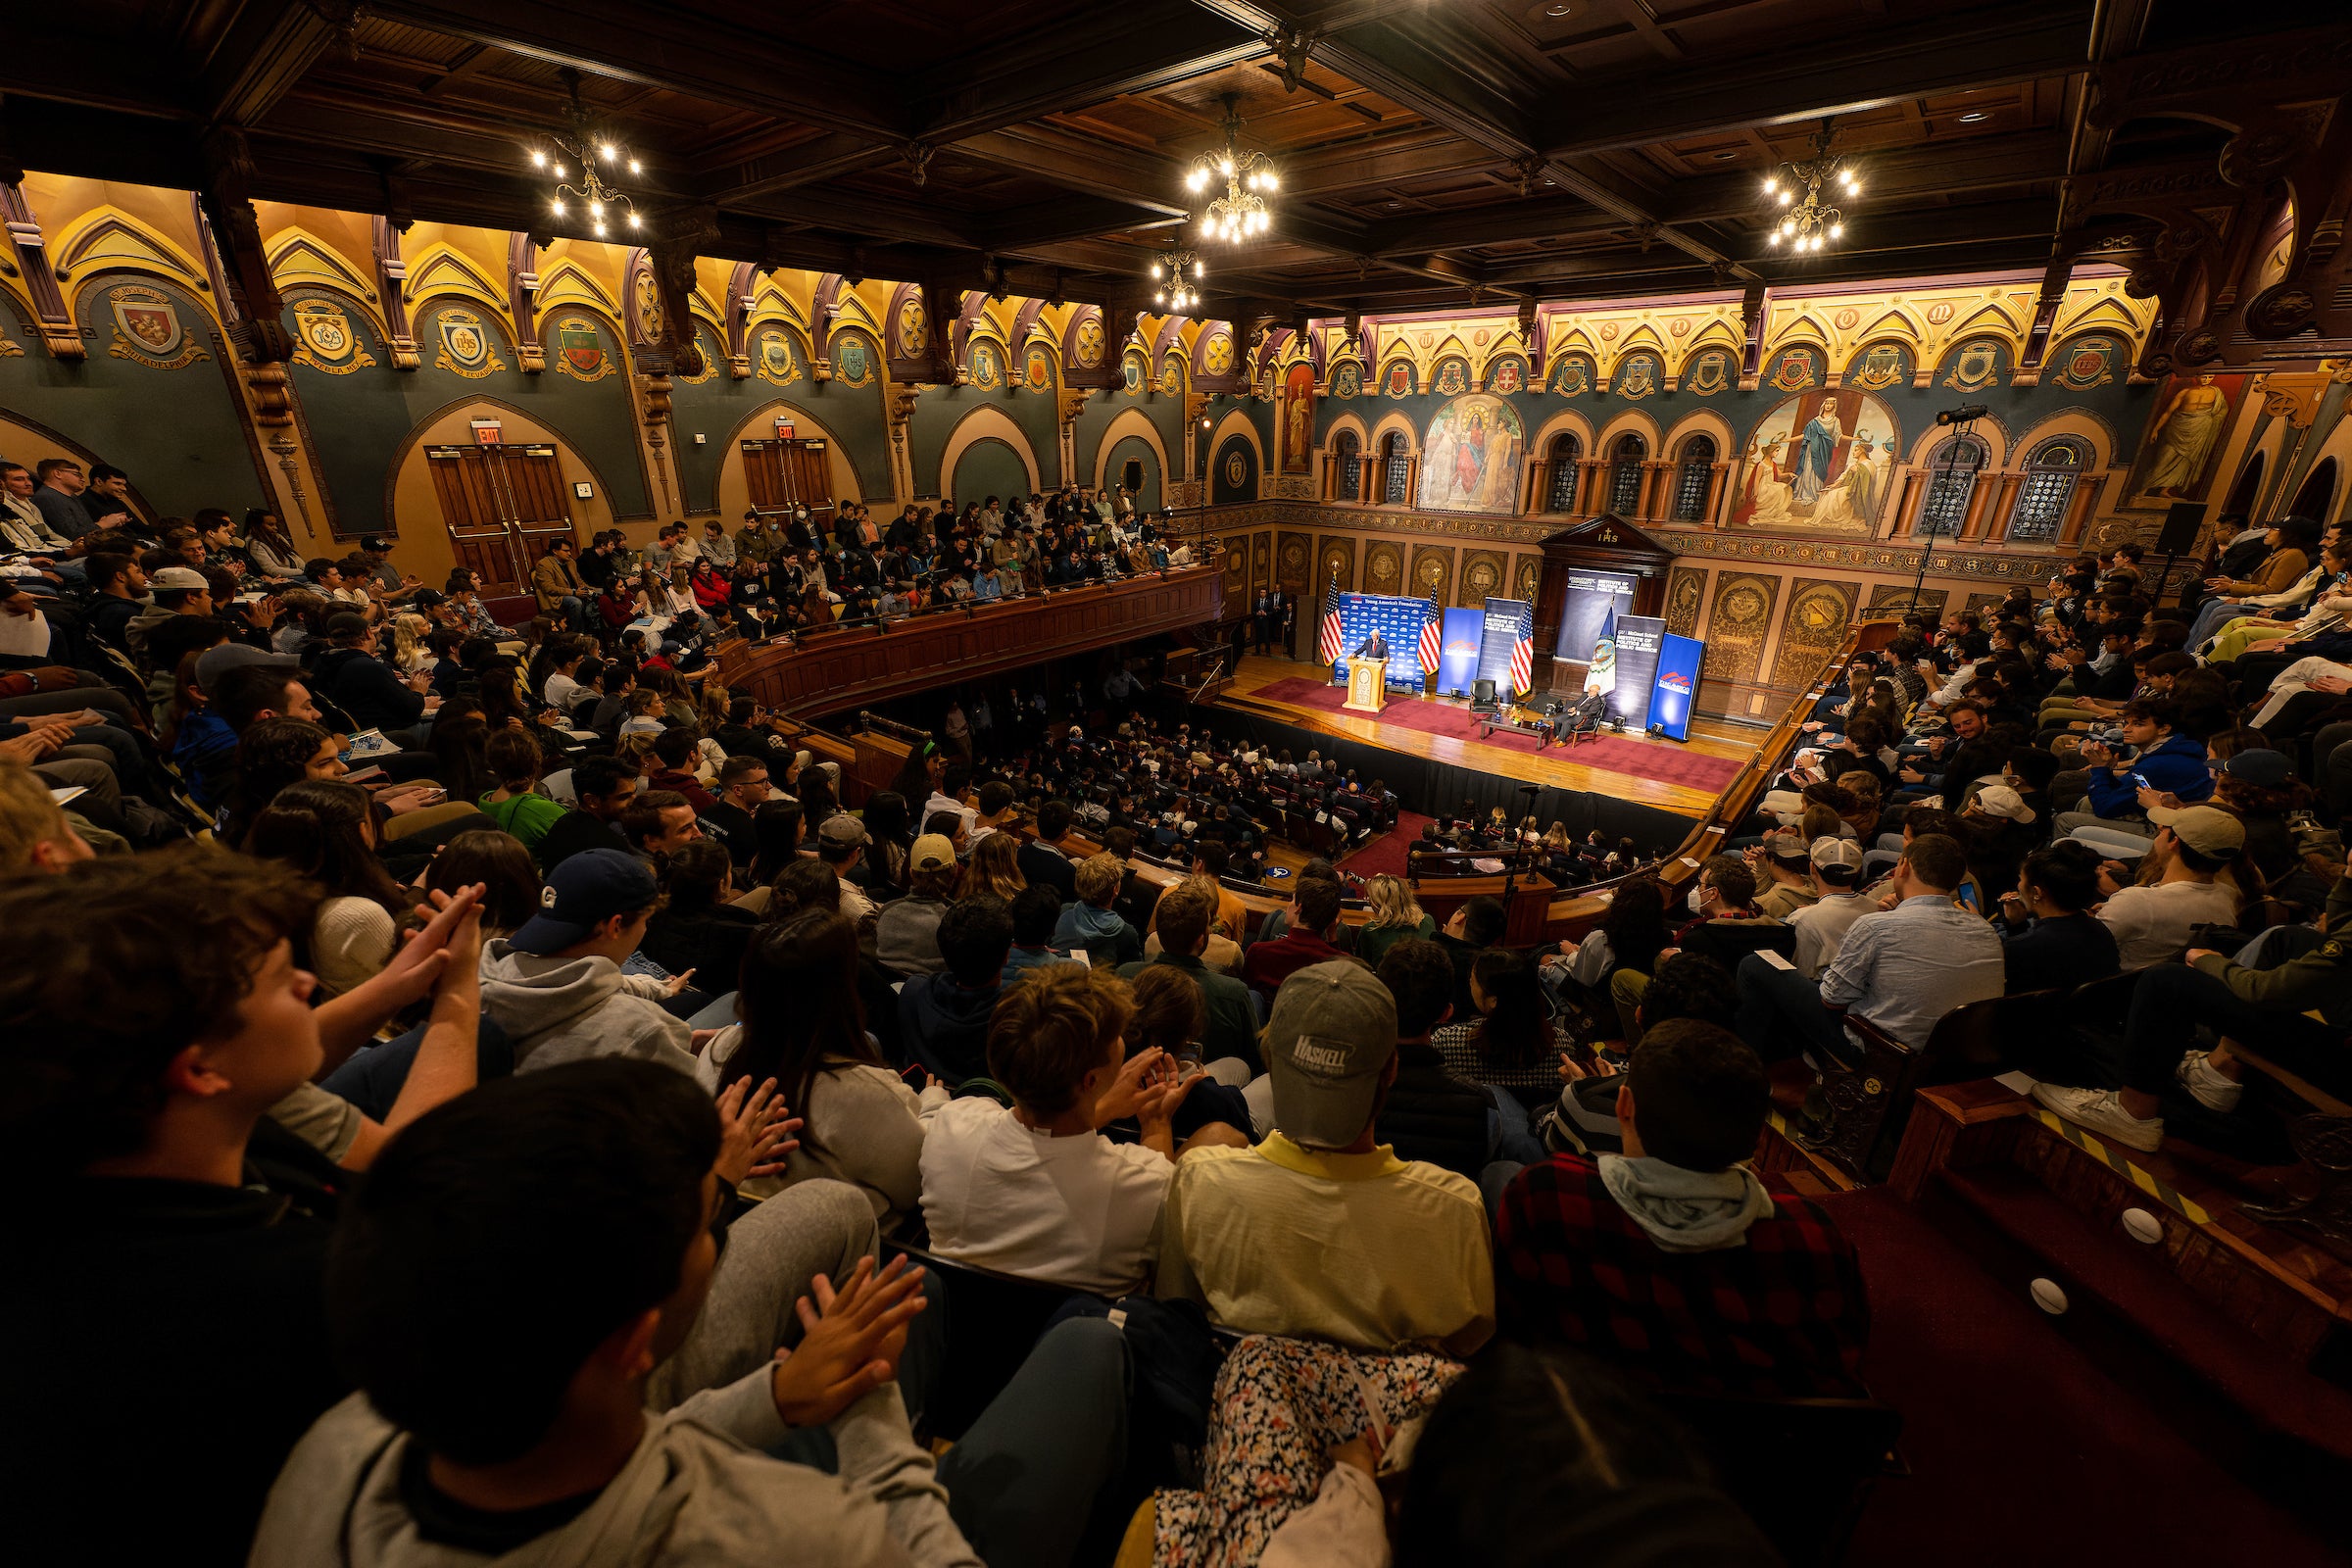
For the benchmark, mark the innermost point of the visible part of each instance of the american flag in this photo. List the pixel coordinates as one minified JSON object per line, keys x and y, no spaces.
{"x":1430,"y":644}
{"x":1331,"y":634}
{"x":1523,"y":663}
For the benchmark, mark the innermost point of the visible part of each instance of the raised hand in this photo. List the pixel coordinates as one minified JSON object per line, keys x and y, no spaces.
{"x":852,"y":1342}
{"x":755,"y":1129}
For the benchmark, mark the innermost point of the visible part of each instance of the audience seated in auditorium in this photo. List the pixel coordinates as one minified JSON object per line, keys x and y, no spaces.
{"x":556,"y":986}
{"x":943,"y":1018}
{"x":1089,"y":922}
{"x":1430,"y":1115}
{"x":1182,"y":917}
{"x":1672,"y":1260}
{"x":1320,"y":1230}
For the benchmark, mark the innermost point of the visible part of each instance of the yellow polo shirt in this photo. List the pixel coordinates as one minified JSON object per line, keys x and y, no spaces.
{"x":1367,"y":1250}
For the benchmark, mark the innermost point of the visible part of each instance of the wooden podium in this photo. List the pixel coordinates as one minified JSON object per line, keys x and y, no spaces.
{"x":1367,"y":685}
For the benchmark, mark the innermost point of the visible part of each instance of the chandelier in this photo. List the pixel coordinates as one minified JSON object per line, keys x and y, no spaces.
{"x":1806,"y":219}
{"x":592,"y":153}
{"x":1174,"y":273}
{"x":1242,"y":210}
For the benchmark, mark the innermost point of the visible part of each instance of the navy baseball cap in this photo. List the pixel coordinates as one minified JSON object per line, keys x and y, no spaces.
{"x":590,"y":887}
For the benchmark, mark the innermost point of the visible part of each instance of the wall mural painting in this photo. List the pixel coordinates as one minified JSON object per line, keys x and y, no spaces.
{"x":1820,"y":459}
{"x":1472,"y":454}
{"x":1299,"y":418}
{"x":1819,"y":612}
{"x":1398,"y":380}
{"x":148,"y":329}
{"x":1571,"y":376}
{"x":1346,"y":379}
{"x":2176,"y":456}
{"x":1037,"y":374}
{"x":1638,"y":377}
{"x":1741,"y":621}
{"x":774,"y":358}
{"x":1878,"y":366}
{"x":328,"y":341}
{"x":1506,"y":375}
{"x":1711,"y":372}
{"x":1686,"y":591}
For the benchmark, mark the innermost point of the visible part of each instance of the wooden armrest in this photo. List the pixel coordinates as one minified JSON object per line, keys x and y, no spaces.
{"x":2316,"y":1098}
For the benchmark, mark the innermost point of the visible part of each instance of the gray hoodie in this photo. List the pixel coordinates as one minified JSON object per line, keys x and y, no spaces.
{"x":694,"y":1493}
{"x":572,"y":1009}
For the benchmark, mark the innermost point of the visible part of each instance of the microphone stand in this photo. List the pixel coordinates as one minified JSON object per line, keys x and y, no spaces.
{"x":1960,"y":438}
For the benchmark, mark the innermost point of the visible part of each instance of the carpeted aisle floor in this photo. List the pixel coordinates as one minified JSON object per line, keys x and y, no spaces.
{"x":1385,"y":853}
{"x":1609,"y":753}
{"x":2021,"y":1452}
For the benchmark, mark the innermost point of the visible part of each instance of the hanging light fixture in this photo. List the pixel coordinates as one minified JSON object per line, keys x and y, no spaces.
{"x":1175,"y":273}
{"x":580,"y":158}
{"x":1249,"y":178}
{"x":1807,"y":219}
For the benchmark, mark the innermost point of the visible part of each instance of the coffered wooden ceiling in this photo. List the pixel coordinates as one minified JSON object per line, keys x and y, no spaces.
{"x":1433,"y":151}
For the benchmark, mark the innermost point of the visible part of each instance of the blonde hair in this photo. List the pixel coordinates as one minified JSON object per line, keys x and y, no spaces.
{"x":408,"y":651}
{"x":994,"y":867}
{"x":1392,"y":903}
{"x":636,"y":750}
{"x":1555,"y":837}
{"x":1097,"y":878}
{"x":29,"y":817}
{"x":716,"y":701}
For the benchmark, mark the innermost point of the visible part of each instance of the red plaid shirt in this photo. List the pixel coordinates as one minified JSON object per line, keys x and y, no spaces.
{"x":1783,"y":1316}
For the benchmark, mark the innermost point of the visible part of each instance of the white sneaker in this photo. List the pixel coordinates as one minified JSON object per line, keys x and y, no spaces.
{"x":2213,"y":1089}
{"x":2102,"y":1111}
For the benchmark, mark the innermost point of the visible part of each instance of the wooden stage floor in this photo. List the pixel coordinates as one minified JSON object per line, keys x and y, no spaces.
{"x":1555,"y":765}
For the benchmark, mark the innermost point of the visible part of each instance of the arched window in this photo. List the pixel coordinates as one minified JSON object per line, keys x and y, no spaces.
{"x":1625,"y":474}
{"x":2317,"y":498}
{"x":1348,"y":466}
{"x":1566,"y":452}
{"x":1396,"y":470}
{"x":1692,"y":478}
{"x":2052,"y":471}
{"x":1952,"y":480}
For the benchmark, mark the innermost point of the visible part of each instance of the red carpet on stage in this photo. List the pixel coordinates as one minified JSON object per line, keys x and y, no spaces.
{"x":1610,"y":754}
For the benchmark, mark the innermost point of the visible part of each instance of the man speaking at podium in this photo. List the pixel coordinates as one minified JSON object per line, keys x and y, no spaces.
{"x":1373,"y":647}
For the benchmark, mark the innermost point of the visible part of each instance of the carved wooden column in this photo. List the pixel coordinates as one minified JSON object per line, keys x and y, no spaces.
{"x":260,"y":335}
{"x":742,"y":295}
{"x":1655,"y":496}
{"x":654,"y":409}
{"x":1980,"y":498}
{"x":1996,"y":524}
{"x":1717,"y":477}
{"x":2078,"y":511}
{"x":522,"y":298}
{"x":672,"y":260}
{"x":1591,"y":481}
{"x":1073,"y":403}
{"x":1912,"y":493}
{"x":31,"y":252}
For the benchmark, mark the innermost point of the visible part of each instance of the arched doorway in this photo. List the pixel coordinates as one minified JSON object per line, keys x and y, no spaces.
{"x":2317,"y":498}
{"x":2248,"y":489}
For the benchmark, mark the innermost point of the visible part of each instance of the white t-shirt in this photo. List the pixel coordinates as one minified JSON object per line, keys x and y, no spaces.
{"x":1821,"y":928}
{"x":2151,"y":924}
{"x":559,"y":691}
{"x":1078,"y":1211}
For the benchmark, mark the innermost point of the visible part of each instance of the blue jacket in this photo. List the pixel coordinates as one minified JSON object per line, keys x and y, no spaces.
{"x":945,"y":1026}
{"x":2177,"y":767}
{"x":206,"y":753}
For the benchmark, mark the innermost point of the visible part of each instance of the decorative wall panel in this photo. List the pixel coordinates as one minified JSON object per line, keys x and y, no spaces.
{"x":1811,"y":628}
{"x":1739,"y":624}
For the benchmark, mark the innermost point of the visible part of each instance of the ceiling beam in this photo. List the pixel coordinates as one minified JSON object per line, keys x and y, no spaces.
{"x":685,"y":51}
{"x":1944,"y":52}
{"x":822,"y":157}
{"x":1956,"y":167}
{"x":1382,"y":162}
{"x":1105,"y":52}
{"x":265,"y":51}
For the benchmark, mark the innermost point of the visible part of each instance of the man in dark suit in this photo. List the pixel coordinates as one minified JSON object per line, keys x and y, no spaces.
{"x":1281,"y":614}
{"x":1039,"y":861}
{"x":1373,"y":647}
{"x":1262,"y":622}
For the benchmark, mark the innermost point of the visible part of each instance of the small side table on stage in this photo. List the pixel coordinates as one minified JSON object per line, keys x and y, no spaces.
{"x":1367,"y":685}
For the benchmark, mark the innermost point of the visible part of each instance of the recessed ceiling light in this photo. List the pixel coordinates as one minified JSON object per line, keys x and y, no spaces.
{"x":1551,"y":182}
{"x":1723,"y":158}
{"x":1394,"y":205}
{"x":1557,"y":11}
{"x":1973,"y":116}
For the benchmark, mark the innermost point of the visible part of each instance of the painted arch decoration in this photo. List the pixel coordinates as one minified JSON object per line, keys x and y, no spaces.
{"x":1571,"y":376}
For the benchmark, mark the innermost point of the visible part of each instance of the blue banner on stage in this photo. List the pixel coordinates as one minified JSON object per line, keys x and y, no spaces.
{"x":1636,"y":665}
{"x":1675,"y":685}
{"x":1507,"y":650}
{"x":1398,"y":621}
{"x":1458,"y":653}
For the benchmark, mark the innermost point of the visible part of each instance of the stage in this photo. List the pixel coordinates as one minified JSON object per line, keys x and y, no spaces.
{"x":1676,"y":777}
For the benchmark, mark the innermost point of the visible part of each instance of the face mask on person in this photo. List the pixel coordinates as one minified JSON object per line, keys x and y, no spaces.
{"x":1697,"y":899}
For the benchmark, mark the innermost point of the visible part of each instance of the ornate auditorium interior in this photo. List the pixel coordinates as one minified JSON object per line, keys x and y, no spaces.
{"x":1712,"y":622}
